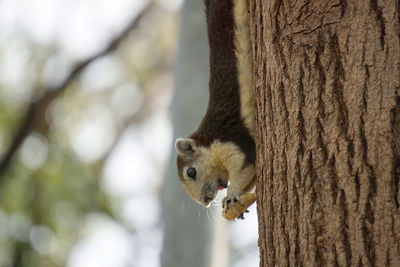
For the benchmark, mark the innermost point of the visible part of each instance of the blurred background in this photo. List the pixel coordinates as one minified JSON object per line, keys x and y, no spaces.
{"x":92,"y":95}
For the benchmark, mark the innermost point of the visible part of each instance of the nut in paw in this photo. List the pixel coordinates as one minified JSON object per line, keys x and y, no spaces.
{"x":233,"y":210}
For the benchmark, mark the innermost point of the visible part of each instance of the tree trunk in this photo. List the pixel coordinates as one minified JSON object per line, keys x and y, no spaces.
{"x":327,"y":80}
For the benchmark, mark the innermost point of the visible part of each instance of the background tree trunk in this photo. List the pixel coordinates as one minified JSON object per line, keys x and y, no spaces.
{"x":327,"y":77}
{"x":189,"y":234}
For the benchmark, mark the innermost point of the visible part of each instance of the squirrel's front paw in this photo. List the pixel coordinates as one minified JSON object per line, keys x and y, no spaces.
{"x":234,"y":209}
{"x":229,"y":202}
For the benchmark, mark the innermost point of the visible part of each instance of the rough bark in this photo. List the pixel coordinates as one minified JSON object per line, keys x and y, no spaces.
{"x":327,"y":80}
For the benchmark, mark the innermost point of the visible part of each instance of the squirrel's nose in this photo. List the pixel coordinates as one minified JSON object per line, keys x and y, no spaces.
{"x":207,"y":200}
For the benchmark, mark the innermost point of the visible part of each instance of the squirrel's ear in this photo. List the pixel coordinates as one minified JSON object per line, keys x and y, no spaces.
{"x":185,"y":147}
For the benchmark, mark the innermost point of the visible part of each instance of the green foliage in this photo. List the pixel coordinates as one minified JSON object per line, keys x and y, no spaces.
{"x":48,"y":187}
{"x":55,"y":196}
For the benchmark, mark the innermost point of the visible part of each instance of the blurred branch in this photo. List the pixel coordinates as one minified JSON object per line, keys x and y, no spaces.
{"x":37,"y":109}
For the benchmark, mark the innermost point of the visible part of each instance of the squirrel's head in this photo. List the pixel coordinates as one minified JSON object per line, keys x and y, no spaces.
{"x":201,"y":174}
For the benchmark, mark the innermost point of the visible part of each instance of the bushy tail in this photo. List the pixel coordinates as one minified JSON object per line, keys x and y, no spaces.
{"x":244,"y":63}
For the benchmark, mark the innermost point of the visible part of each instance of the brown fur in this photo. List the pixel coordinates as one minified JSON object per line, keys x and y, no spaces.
{"x":222,"y":149}
{"x":244,"y":55}
{"x":223,"y":120}
{"x":217,"y":164}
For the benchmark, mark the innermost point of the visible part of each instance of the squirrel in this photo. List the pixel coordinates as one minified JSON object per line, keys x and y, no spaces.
{"x":221,"y":152}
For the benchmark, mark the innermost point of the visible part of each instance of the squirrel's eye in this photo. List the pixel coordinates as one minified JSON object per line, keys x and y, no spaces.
{"x":191,"y":172}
